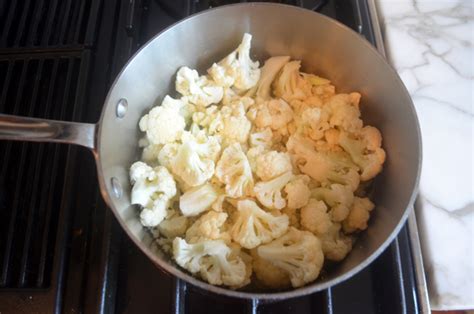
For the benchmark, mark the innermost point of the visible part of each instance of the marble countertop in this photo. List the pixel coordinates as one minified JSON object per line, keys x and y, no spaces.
{"x":430,"y":43}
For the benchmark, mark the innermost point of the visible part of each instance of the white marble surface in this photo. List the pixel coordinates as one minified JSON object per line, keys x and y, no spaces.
{"x":430,"y":43}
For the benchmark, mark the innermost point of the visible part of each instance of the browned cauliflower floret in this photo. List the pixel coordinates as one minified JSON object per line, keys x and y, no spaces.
{"x":335,"y":244}
{"x":315,"y":217}
{"x":359,"y":215}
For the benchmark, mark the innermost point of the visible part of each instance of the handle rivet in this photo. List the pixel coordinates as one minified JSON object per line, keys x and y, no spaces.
{"x":121,"y":109}
{"x":116,"y":187}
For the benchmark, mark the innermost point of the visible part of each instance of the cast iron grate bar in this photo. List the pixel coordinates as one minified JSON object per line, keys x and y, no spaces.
{"x":54,"y":23}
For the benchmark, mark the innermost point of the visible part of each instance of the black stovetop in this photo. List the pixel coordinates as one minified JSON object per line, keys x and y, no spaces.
{"x":61,"y":249}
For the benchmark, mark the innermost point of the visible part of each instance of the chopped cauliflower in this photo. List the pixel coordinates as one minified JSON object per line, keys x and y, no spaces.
{"x":253,"y":226}
{"x":315,"y":217}
{"x":298,"y":192}
{"x":208,"y":226}
{"x":237,"y":69}
{"x":274,"y":113}
{"x":199,"y":90}
{"x":152,"y":189}
{"x":269,"y":192}
{"x":162,"y":125}
{"x":359,"y":215}
{"x":262,"y":138}
{"x":272,"y":164}
{"x":213,"y":259}
{"x":269,"y":275}
{"x":335,"y":244}
{"x":194,"y":161}
{"x":366,"y":151}
{"x":338,"y":197}
{"x":299,"y":253}
{"x":233,"y":169}
{"x":173,"y":227}
{"x":255,"y":170}
{"x":197,"y":200}
{"x":290,"y":84}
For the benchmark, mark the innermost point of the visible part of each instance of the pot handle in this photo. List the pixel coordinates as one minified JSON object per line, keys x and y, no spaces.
{"x":18,"y":128}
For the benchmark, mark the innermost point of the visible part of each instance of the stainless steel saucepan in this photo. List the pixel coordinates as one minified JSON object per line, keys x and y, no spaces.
{"x":325,"y":46}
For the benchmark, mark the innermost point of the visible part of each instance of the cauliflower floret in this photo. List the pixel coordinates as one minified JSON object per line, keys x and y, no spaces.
{"x":167,"y":153}
{"x":297,"y":191}
{"x":252,"y":155}
{"x":338,"y":197}
{"x":199,"y":90}
{"x":365,"y":151}
{"x":173,"y":227}
{"x":269,"y":71}
{"x":149,"y":182}
{"x":315,"y":218}
{"x":236,"y":126}
{"x":150,"y":154}
{"x":268,"y":274}
{"x":184,"y":108}
{"x":154,"y":213}
{"x":197,"y":200}
{"x":233,"y":169}
{"x":237,"y":69}
{"x":292,"y":214}
{"x":299,"y":253}
{"x":343,"y":113}
{"x":208,"y":226}
{"x":262,"y":138}
{"x":274,"y":113}
{"x":335,"y":244}
{"x":213,"y":259}
{"x":194,"y":161}
{"x":359,"y":215}
{"x":162,"y":125}
{"x":313,"y":123}
{"x":253,"y":226}
{"x":272,"y":164}
{"x":290,"y":84}
{"x":269,"y":192}
{"x":323,"y":167}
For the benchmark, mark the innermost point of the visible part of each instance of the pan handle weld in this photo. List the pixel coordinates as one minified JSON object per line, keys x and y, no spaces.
{"x":27,"y":129}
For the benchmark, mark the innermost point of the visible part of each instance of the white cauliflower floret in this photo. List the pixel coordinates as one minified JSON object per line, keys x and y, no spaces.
{"x":149,"y":182}
{"x":253,"y":226}
{"x":199,"y":90}
{"x":272,"y":164}
{"x":167,"y":153}
{"x":262,"y":138}
{"x":335,"y":244}
{"x":290,"y":84}
{"x":194,"y":161}
{"x":269,"y":71}
{"x":162,"y":125}
{"x":233,"y":169}
{"x":269,"y":192}
{"x":185,"y":109}
{"x":299,"y":253}
{"x":365,"y":151}
{"x":359,"y":215}
{"x":274,"y":113}
{"x":208,"y":226}
{"x":323,"y":167}
{"x":154,"y":213}
{"x":236,"y":126}
{"x":268,"y":274}
{"x":237,"y":69}
{"x":252,"y":155}
{"x":173,"y":227}
{"x":338,"y":197}
{"x":315,"y":218}
{"x":297,"y":191}
{"x":212,"y":259}
{"x":197,"y":200}
{"x":150,"y":154}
